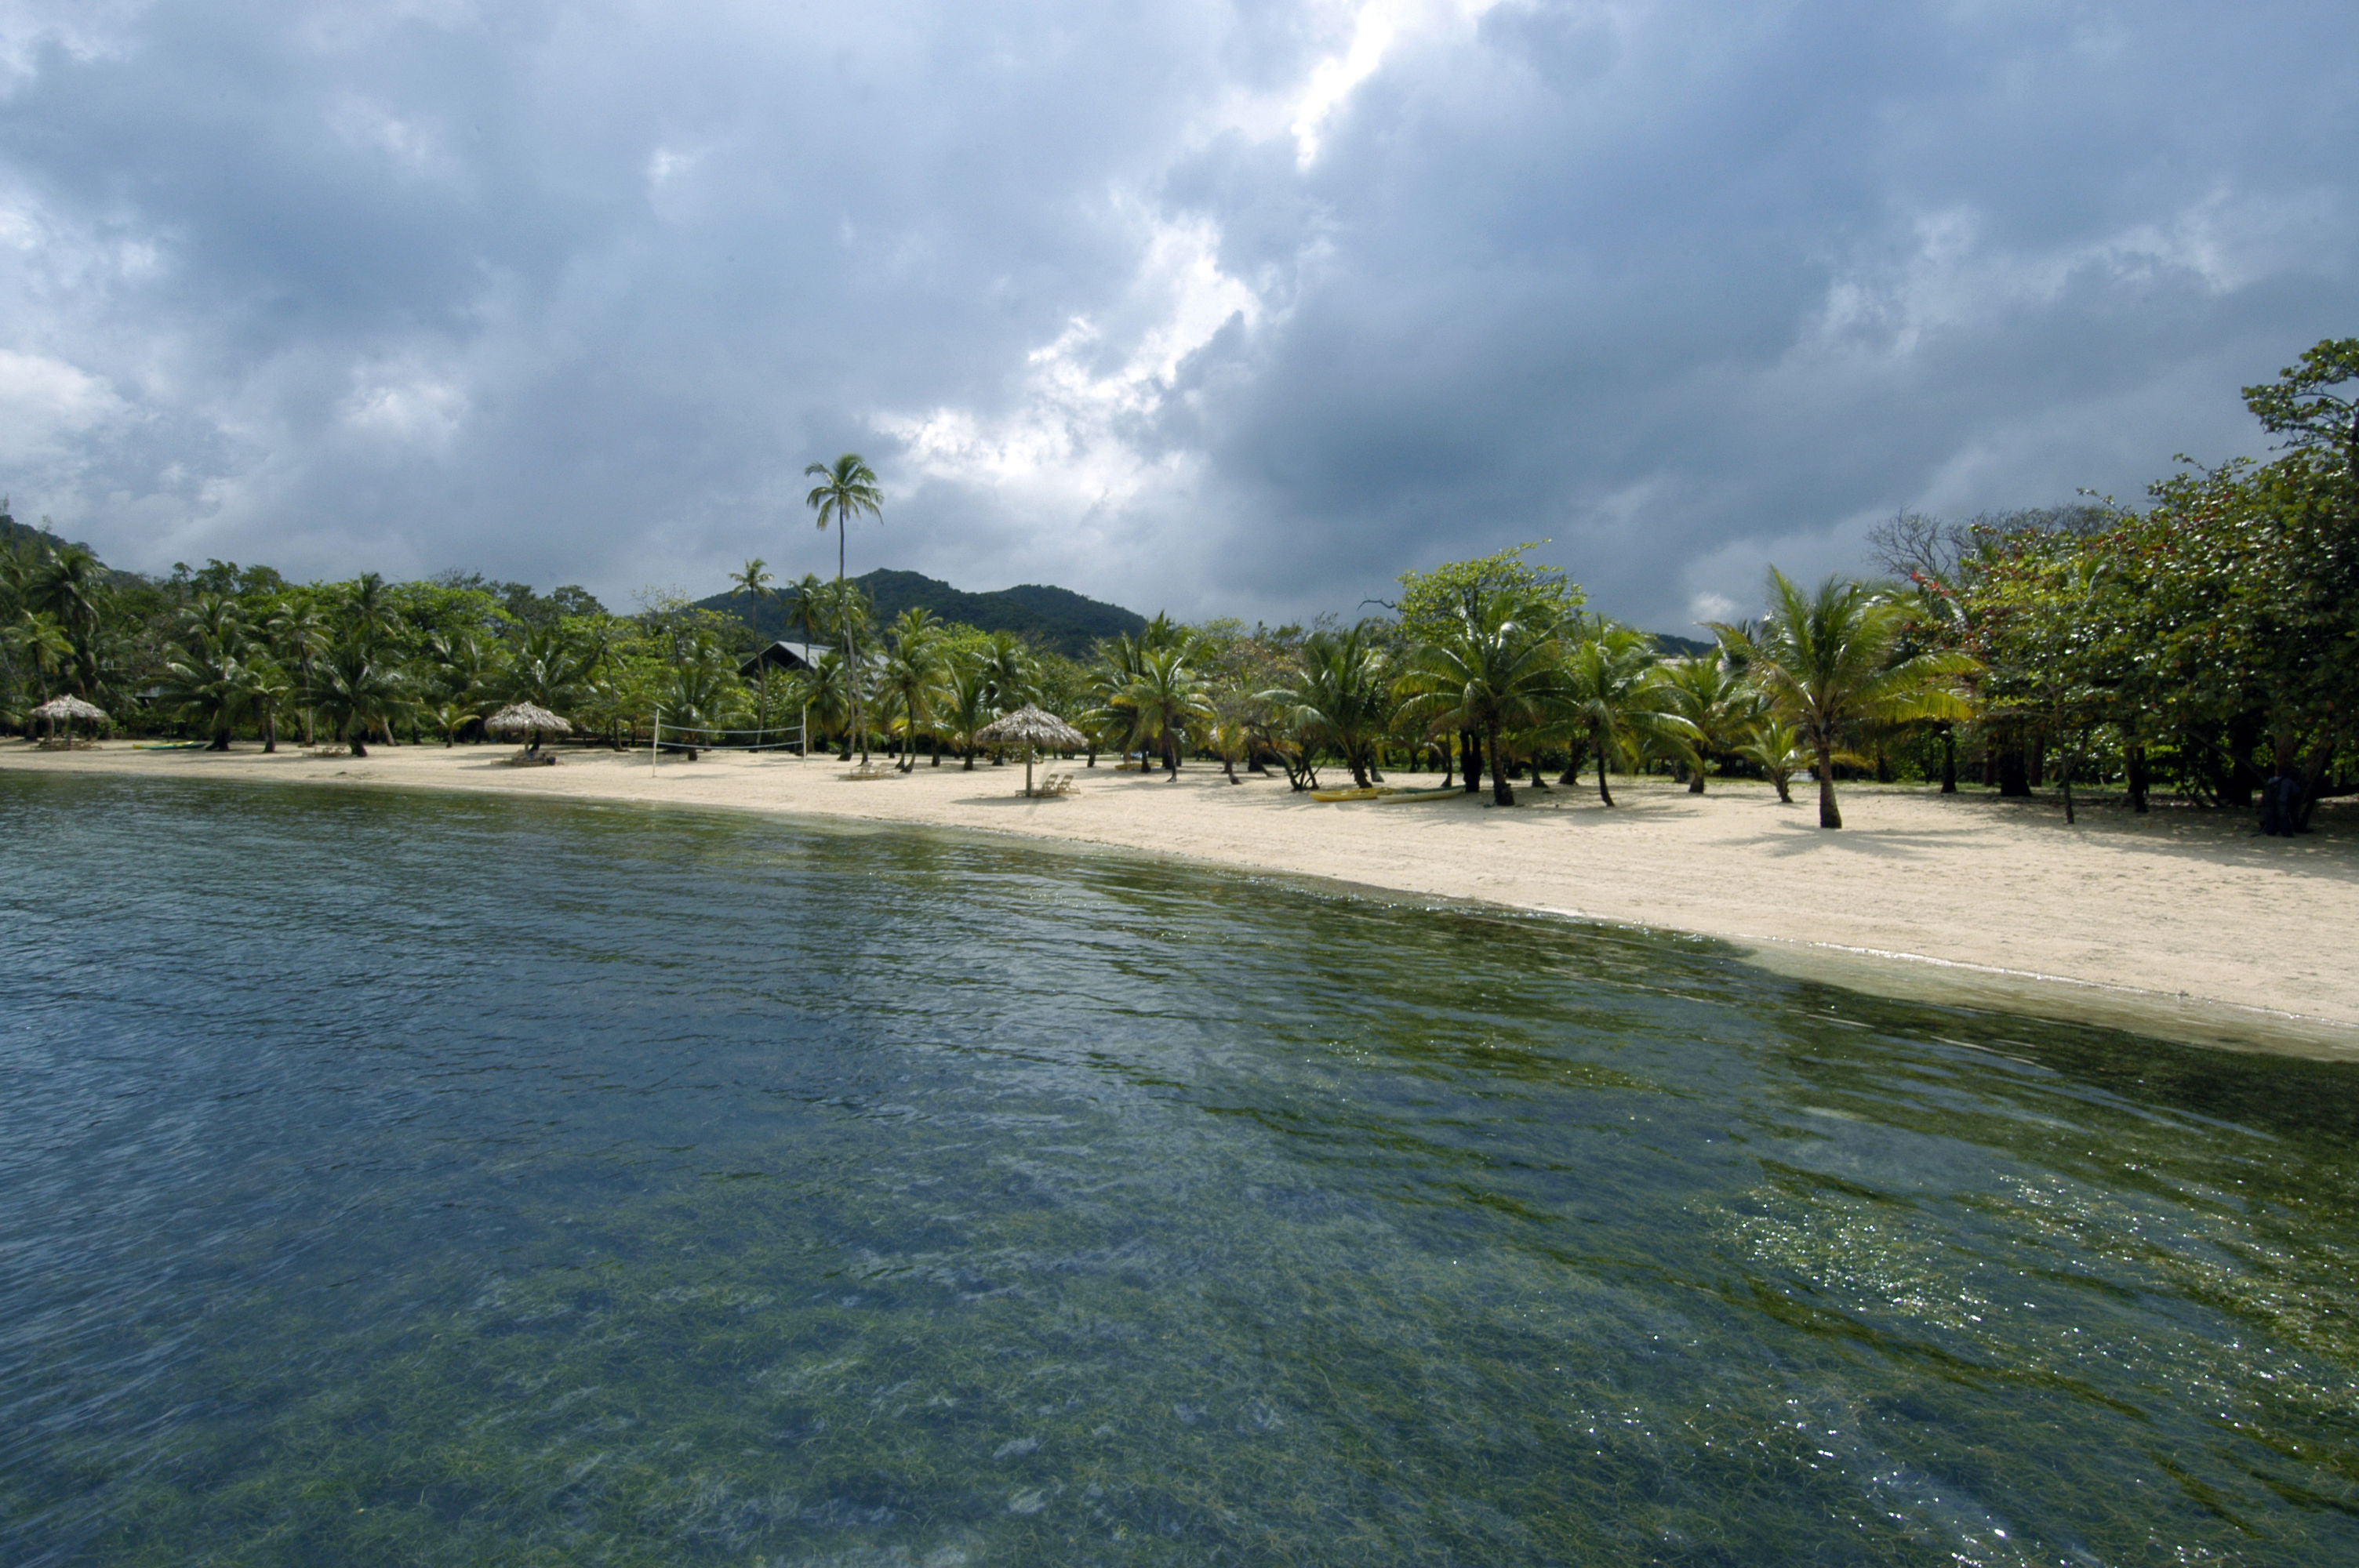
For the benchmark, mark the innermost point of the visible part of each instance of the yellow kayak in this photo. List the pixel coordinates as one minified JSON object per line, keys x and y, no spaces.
{"x":1384,"y":793}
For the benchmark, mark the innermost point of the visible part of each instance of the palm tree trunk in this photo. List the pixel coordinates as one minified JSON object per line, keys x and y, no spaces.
{"x":1604,"y":793}
{"x":1948,"y":758}
{"x":1503,"y":792}
{"x":1830,"y":813}
{"x":1470,"y":756}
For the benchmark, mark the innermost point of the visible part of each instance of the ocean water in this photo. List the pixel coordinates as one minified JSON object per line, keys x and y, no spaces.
{"x":396,"y":1179}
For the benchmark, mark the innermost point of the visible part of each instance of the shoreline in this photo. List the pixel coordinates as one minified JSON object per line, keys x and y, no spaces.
{"x":2179,"y":924}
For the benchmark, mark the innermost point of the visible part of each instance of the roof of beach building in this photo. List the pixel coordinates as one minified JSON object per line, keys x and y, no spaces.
{"x":783,"y":656}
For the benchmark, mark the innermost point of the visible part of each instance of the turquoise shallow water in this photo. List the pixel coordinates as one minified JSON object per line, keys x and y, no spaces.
{"x":393,"y":1179}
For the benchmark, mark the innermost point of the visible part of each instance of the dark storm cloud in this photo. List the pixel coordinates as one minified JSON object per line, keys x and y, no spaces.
{"x":1174,"y":304}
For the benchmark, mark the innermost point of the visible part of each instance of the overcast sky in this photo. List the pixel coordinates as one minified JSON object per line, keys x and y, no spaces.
{"x":1227,"y":308}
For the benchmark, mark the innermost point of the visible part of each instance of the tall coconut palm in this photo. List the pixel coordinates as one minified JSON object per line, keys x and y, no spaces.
{"x":810,"y":606}
{"x":847,"y":489}
{"x":752,"y":582}
{"x":359,"y":691}
{"x":1825,"y":660}
{"x":1495,"y":665}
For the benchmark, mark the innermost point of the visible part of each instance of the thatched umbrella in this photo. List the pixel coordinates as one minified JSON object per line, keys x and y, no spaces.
{"x":68,"y":709}
{"x":1028,"y":726}
{"x":526,"y":719}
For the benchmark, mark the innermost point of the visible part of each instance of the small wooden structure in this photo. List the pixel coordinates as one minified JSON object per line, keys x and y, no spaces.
{"x":70,"y":709}
{"x":526,"y":719}
{"x":1028,"y":726}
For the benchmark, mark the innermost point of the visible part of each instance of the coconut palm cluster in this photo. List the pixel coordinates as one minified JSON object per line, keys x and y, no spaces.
{"x":2211,"y":638}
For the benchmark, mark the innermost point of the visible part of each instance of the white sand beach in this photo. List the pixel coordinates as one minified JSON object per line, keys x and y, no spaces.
{"x":2180,"y":923}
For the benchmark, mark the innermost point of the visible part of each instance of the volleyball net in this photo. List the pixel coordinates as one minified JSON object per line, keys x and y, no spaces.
{"x":712,"y":738}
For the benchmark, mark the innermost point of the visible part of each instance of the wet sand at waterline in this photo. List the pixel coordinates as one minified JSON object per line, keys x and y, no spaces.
{"x":2181,"y":924}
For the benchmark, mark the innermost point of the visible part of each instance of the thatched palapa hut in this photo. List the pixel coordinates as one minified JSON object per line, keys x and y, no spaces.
{"x":1028,"y":726}
{"x":526,"y":719}
{"x":70,"y":709}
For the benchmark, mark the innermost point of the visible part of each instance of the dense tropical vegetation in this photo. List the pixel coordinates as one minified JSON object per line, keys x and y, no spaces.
{"x":2209,"y":643}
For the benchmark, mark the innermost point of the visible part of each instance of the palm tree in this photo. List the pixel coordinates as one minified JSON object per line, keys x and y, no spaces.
{"x":910,"y":677}
{"x":1165,"y":700}
{"x":468,"y":671}
{"x":368,"y":608}
{"x":846,"y":489}
{"x":358,"y":692}
{"x":1015,"y":674}
{"x":1713,"y":698}
{"x":450,"y":715}
{"x":966,"y":705}
{"x":216,"y":621}
{"x":548,"y":669}
{"x":1614,"y":698}
{"x":1340,"y":698}
{"x":1824,"y":662}
{"x":1494,"y":666}
{"x":1776,"y":748}
{"x":42,"y":644}
{"x":811,"y":608}
{"x":702,"y":691}
{"x":206,"y":686}
{"x":266,"y":686}
{"x":828,"y":687}
{"x":299,"y":634}
{"x":68,"y":585}
{"x":753,"y":582}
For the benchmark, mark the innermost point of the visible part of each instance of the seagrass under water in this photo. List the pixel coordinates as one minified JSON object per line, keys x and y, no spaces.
{"x":411,"y":1180}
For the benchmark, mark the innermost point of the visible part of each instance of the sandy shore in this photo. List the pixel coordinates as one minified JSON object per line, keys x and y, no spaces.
{"x":2180,"y":923}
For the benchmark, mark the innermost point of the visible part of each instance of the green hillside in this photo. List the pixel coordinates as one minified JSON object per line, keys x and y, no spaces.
{"x":1054,"y":618}
{"x":16,"y":535}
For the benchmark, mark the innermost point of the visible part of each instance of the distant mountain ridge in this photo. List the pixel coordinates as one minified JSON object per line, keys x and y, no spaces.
{"x":1056,"y":618}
